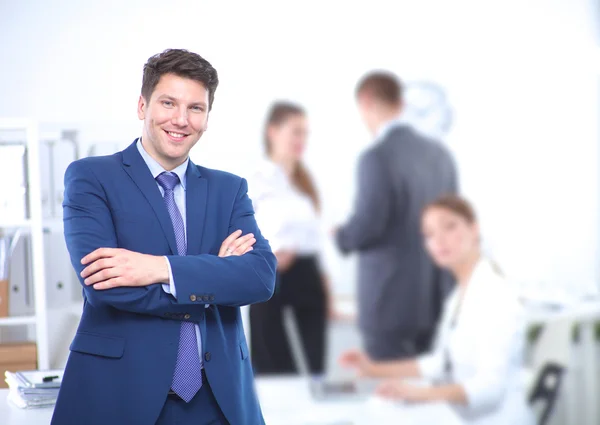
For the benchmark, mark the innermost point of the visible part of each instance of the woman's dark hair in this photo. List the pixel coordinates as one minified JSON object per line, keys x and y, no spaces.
{"x":455,"y":204}
{"x":301,"y":178}
{"x":183,"y":64}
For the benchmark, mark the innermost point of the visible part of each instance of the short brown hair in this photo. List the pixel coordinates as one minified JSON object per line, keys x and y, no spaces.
{"x":183,"y":64}
{"x":383,"y":86}
{"x":456,"y":205}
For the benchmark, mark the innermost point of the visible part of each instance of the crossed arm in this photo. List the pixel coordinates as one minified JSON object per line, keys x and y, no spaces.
{"x":130,"y":281}
{"x":108,"y":268}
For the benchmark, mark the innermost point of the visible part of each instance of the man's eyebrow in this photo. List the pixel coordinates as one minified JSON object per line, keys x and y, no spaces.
{"x":166,"y":96}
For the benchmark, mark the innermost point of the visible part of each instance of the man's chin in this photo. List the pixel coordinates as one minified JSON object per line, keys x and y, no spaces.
{"x":177,"y":153}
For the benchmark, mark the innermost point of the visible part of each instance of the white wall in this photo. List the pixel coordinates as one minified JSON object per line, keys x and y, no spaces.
{"x":520,"y":76}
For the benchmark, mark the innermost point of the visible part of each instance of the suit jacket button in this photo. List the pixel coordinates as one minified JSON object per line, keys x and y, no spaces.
{"x":186,"y":316}
{"x":212,"y":298}
{"x":207,"y":356}
{"x":192,"y":298}
{"x":206,"y":298}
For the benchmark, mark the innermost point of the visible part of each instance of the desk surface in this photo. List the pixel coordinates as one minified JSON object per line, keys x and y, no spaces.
{"x":296,"y":408}
{"x":586,"y":310}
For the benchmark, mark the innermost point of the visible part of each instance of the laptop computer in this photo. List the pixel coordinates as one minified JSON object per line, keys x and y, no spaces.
{"x":321,"y":387}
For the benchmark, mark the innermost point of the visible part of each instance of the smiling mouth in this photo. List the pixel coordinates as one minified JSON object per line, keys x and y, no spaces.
{"x":173,"y":135}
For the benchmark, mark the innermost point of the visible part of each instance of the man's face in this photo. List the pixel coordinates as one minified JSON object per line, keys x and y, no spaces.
{"x":175,"y":117}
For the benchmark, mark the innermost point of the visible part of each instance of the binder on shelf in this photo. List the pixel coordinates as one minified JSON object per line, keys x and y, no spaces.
{"x":7,"y":248}
{"x":3,"y":297}
{"x":21,"y":286}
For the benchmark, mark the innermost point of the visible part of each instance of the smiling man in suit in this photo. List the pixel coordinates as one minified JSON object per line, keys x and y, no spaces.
{"x":167,"y":252}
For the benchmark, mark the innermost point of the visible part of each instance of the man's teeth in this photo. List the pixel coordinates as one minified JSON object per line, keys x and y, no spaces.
{"x":176,"y":134}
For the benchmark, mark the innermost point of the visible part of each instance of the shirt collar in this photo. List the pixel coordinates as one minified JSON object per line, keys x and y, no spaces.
{"x":156,"y":168}
{"x":387,"y":126}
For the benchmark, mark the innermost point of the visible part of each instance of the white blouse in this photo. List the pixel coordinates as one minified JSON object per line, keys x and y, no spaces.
{"x":286,"y":217}
{"x":483,"y":342}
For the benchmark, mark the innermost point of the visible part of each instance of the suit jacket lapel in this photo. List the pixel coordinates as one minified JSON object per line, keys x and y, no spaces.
{"x":134,"y":165}
{"x":196,"y":193}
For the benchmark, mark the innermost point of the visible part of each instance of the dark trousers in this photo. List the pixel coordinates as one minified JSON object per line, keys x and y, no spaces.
{"x":201,"y":410}
{"x":301,"y":288}
{"x":395,"y":345}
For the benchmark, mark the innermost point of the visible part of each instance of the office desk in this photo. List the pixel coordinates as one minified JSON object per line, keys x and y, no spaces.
{"x":286,"y":401}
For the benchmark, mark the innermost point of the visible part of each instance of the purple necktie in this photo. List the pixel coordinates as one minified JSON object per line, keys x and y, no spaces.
{"x":187,"y":378}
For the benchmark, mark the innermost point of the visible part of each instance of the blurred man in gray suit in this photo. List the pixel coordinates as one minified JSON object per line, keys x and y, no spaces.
{"x":399,"y":288}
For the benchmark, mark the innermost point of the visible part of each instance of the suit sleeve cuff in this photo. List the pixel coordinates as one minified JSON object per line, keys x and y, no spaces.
{"x":341,"y":241}
{"x":169,"y":288}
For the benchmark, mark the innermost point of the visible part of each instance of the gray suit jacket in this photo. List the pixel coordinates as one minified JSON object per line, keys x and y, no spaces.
{"x":397,"y":281}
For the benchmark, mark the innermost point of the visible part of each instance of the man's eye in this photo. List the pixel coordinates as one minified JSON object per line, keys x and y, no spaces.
{"x":197,"y":109}
{"x":167,"y":103}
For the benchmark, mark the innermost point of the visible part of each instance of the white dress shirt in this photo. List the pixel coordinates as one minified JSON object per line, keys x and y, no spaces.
{"x":179,"y":194}
{"x":482,"y":340}
{"x":287,"y":217}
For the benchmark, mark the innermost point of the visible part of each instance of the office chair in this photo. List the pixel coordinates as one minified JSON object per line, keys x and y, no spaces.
{"x":547,"y":388}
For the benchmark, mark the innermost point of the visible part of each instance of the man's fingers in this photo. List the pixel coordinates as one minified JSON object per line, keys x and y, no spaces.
{"x":241,"y":240}
{"x":238,"y":245}
{"x":107,"y":284}
{"x":231,"y":238}
{"x":228,"y":241}
{"x":102,"y":275}
{"x":99,"y":253}
{"x":96,"y":266}
{"x":244,"y":247}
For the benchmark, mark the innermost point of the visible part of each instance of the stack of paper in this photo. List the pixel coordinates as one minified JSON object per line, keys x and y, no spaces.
{"x":29,"y":389}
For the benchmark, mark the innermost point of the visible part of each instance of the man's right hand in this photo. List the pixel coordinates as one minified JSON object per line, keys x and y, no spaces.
{"x":356,"y":359}
{"x":236,"y":244}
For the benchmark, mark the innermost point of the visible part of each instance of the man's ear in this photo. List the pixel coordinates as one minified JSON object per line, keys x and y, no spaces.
{"x":141,"y":108}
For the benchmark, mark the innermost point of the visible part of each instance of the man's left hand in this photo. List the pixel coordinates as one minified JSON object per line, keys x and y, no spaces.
{"x":112,"y":267}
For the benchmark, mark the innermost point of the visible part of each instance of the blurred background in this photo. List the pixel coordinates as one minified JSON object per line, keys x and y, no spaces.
{"x":509,"y":87}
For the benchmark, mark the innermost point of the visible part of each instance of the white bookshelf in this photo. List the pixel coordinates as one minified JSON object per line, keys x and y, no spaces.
{"x":18,"y":320}
{"x":16,"y":224}
{"x":35,"y":227}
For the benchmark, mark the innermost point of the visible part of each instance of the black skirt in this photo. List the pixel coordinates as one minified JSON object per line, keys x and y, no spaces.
{"x":301,"y":288}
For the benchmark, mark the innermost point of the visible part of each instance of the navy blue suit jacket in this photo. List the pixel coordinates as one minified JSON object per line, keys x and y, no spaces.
{"x":123,"y":355}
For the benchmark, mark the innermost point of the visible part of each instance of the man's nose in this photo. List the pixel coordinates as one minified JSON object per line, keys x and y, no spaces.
{"x":181,"y":117}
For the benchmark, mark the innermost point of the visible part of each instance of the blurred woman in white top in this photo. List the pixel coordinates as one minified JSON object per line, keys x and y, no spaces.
{"x":287,"y":205}
{"x":478,"y":354}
